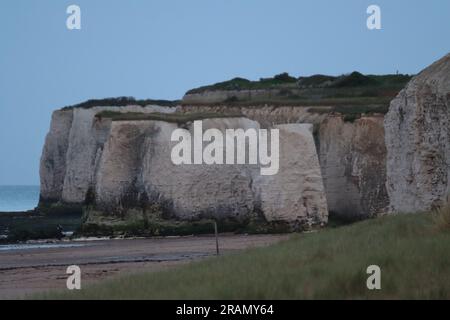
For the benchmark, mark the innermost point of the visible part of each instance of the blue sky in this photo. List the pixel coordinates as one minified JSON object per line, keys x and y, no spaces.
{"x":160,"y":49}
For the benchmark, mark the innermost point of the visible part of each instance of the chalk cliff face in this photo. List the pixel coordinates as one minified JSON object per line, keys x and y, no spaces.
{"x":352,"y":158}
{"x":123,"y":161}
{"x":418,"y":141}
{"x":266,"y":115}
{"x":352,"y":155}
{"x":137,"y":158}
{"x":296,"y":192}
{"x":53,"y":159}
{"x":122,"y":168}
{"x":72,"y":149}
{"x":348,"y":167}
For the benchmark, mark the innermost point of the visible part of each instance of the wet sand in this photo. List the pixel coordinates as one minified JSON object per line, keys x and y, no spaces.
{"x":31,"y":270}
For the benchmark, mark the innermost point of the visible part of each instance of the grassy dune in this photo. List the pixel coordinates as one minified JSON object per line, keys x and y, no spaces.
{"x":413,"y":253}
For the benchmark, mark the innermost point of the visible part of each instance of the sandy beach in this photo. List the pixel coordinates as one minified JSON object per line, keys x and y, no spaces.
{"x":42,"y":266}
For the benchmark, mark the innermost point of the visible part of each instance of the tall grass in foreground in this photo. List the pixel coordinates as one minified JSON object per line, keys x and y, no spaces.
{"x":331,"y":264}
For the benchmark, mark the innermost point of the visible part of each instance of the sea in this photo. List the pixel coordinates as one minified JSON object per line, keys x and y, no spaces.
{"x":18,"y":198}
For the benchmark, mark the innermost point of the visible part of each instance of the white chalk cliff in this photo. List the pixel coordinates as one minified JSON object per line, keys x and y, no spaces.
{"x":125,"y":166}
{"x":418,"y":141}
{"x":120,"y":167}
{"x":72,"y":150}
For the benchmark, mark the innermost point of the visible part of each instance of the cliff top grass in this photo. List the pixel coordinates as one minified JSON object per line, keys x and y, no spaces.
{"x":412,"y":253}
{"x":352,"y":89}
{"x":284,"y":80}
{"x":121,"y":102}
{"x":178,"y":117}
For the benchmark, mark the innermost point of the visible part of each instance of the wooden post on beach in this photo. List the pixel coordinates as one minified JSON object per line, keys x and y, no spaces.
{"x":217,"y":237}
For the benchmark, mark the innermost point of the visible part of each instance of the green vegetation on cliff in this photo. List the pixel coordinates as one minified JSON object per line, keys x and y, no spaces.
{"x":412,"y":252}
{"x":284,"y":80}
{"x":353,"y":89}
{"x":244,"y":84}
{"x":178,"y":117}
{"x":373,"y":92}
{"x":121,"y":102}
